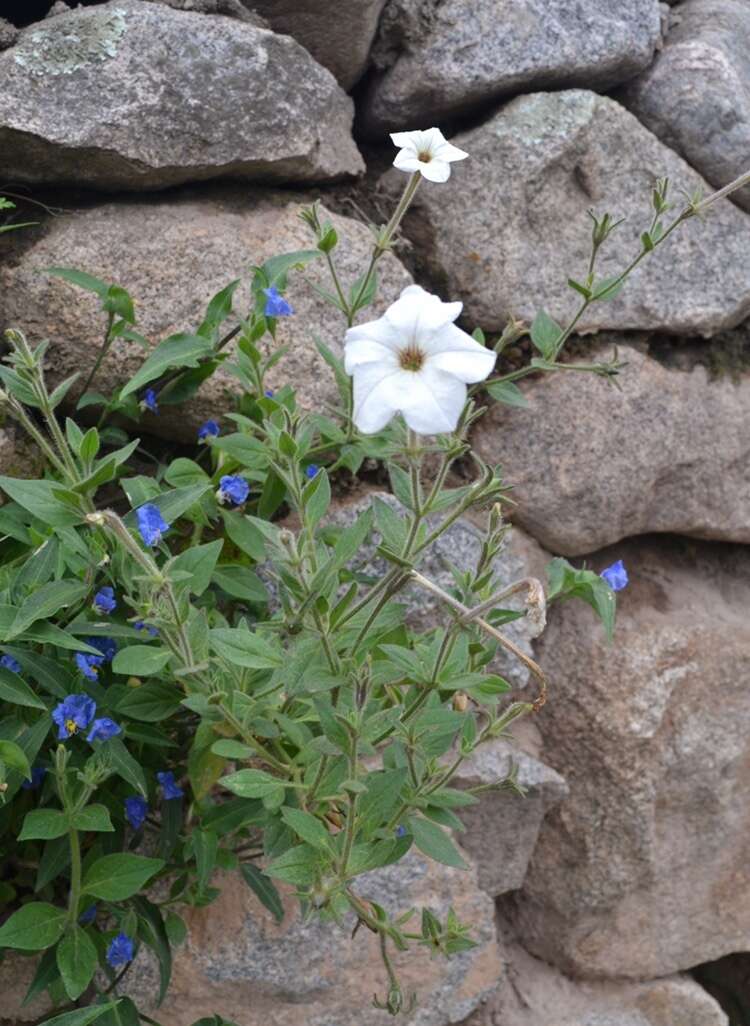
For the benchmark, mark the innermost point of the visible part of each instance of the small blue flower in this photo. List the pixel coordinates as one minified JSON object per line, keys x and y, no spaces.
{"x":400,"y":831}
{"x":135,"y":811}
{"x":10,"y":663}
{"x":107,"y":647}
{"x":141,"y":625}
{"x":268,"y":393}
{"x":151,"y":523}
{"x":233,"y":489}
{"x":37,"y":776}
{"x":105,"y":601}
{"x":148,"y":402}
{"x":74,"y":713}
{"x":311,"y":471}
{"x":208,"y":430}
{"x":616,"y":576}
{"x":89,"y":664}
{"x":169,"y":788}
{"x":120,"y":951}
{"x":276,"y":305}
{"x":103,"y":729}
{"x":88,"y":916}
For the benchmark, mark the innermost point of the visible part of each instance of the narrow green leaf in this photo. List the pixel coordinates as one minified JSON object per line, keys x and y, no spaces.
{"x":77,"y":960}
{"x":33,"y":927}
{"x":264,"y":889}
{"x":181,"y":350}
{"x":433,"y":841}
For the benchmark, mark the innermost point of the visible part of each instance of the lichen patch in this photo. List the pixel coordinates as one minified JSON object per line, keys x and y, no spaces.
{"x":61,"y":49}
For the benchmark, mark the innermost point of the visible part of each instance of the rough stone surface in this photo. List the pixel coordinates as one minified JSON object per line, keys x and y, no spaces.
{"x":338,"y":36}
{"x":643,"y":869}
{"x":536,"y":994}
{"x":445,"y":58}
{"x":459,"y":546}
{"x":8,"y":34}
{"x":502,"y":828}
{"x":511,"y":226}
{"x":258,"y":973}
{"x":19,"y":456}
{"x":173,"y":254}
{"x":589,"y":464}
{"x":16,"y":973}
{"x":136,"y":95}
{"x":230,"y":8}
{"x":696,"y":95}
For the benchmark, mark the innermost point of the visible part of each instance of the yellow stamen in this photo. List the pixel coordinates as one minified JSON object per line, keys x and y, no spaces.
{"x":411,"y":358}
{"x":71,"y":726}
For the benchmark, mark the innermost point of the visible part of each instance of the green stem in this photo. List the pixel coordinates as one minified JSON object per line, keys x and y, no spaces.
{"x":102,"y":353}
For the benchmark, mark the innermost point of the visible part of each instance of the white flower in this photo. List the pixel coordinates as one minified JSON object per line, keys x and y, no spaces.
{"x":427,"y":152}
{"x":414,"y":361}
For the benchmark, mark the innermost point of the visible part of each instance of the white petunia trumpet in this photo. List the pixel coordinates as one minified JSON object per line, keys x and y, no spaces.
{"x":428,"y":152}
{"x":413,"y":361}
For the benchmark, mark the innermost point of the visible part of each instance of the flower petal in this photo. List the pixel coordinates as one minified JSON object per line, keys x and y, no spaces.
{"x":358,"y":351}
{"x":433,"y":401}
{"x":454,"y":352}
{"x":417,"y":315}
{"x":447,"y":151}
{"x":436,"y":170}
{"x":405,"y":160}
{"x":405,"y":140}
{"x":373,"y":396}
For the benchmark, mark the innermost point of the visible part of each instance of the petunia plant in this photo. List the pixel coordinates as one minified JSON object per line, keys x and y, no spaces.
{"x":196,"y":677}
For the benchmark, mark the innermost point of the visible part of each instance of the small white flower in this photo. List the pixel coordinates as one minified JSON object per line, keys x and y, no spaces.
{"x":427,"y":152}
{"x":414,"y":361}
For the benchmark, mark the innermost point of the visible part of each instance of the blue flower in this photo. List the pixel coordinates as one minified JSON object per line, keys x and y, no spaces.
{"x":141,"y":625}
{"x":151,"y":523}
{"x":148,"y":402}
{"x":10,"y":663}
{"x":74,"y":713}
{"x":103,"y":729}
{"x":312,"y":470}
{"x":616,"y":576}
{"x":168,"y":786}
{"x":107,"y":647}
{"x":276,"y":305}
{"x":268,"y":393}
{"x":105,"y":601}
{"x":135,"y":811}
{"x":120,"y":951}
{"x":233,"y":488}
{"x":208,"y":430}
{"x":88,"y":916}
{"x":89,"y":664}
{"x":37,"y":776}
{"x":400,"y":831}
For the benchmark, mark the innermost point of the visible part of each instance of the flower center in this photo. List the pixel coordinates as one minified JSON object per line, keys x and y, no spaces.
{"x":424,"y":157}
{"x":411,"y":358}
{"x":71,"y":726}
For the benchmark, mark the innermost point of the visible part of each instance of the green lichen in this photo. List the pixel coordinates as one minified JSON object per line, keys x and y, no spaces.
{"x":65,"y":45}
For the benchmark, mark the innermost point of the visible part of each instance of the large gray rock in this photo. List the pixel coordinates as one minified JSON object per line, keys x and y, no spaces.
{"x":8,"y":34}
{"x":173,"y":254}
{"x":536,"y":994}
{"x":643,"y":869}
{"x":136,"y":95}
{"x":590,"y":464}
{"x":444,"y":58}
{"x":696,"y":94}
{"x":502,"y":828}
{"x":511,"y":226}
{"x":240,"y":962}
{"x":338,"y":36}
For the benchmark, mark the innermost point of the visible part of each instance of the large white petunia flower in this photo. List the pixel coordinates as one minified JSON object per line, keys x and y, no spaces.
{"x":428,"y":152}
{"x":414,"y":361}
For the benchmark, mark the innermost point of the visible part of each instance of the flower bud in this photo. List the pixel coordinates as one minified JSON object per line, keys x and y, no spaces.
{"x":460,"y":701}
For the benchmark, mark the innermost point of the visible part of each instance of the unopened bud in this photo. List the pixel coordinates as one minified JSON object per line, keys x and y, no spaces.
{"x":460,"y":701}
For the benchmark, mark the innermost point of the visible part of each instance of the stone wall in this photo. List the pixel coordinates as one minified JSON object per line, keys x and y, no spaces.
{"x":172,"y":143}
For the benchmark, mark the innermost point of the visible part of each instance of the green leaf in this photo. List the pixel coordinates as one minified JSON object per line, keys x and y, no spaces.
{"x":507,"y":392}
{"x":46,"y":974}
{"x":33,"y":927}
{"x":299,"y":865}
{"x":252,"y":783}
{"x":308,"y":828}
{"x":118,"y":301}
{"x":544,"y":334}
{"x":38,"y":497}
{"x":44,"y":824}
{"x":228,"y":749}
{"x":81,"y":279}
{"x":15,"y":757}
{"x":181,"y":350}
{"x":205,"y":847}
{"x":239,"y":582}
{"x":218,"y":309}
{"x":82,"y":1016}
{"x":434,"y":842}
{"x":151,"y":703}
{"x":77,"y":960}
{"x":567,"y":582}
{"x":117,"y":877}
{"x":55,"y":858}
{"x":153,"y":930}
{"x":94,"y":818}
{"x":45,"y":602}
{"x":16,"y":691}
{"x":245,"y":535}
{"x":264,"y":889}
{"x":199,"y":562}
{"x":608,"y":288}
{"x":278,"y":267}
{"x":242,"y":648}
{"x":126,"y":766}
{"x":140,"y":660}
